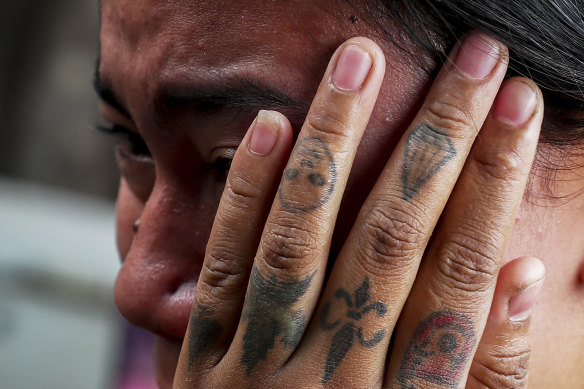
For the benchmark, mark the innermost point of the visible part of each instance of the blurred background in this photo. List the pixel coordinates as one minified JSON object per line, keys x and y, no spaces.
{"x":58,"y":324}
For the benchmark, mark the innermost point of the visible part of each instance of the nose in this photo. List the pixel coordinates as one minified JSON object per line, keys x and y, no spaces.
{"x":156,"y":283}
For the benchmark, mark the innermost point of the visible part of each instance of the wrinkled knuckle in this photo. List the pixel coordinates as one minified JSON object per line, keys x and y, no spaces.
{"x":223,"y":271}
{"x":389,"y":239}
{"x":450,"y":112}
{"x":496,"y":165}
{"x":468,"y":263}
{"x":241,"y":188}
{"x":507,"y":370}
{"x":326,"y":122}
{"x":287,"y":245}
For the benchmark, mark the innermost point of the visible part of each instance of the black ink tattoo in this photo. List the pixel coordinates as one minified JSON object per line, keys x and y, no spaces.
{"x":438,"y":351}
{"x":203,"y":332}
{"x":344,"y":338}
{"x":309,"y":180}
{"x":267,"y":310}
{"x":427,"y":150}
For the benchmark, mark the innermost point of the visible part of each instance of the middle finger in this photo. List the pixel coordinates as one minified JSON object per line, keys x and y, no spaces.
{"x":378,"y":264}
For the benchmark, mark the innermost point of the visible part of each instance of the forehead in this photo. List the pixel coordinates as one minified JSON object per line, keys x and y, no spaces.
{"x":160,"y":40}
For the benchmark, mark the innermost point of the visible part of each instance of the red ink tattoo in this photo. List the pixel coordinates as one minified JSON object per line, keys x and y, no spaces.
{"x":438,"y":351}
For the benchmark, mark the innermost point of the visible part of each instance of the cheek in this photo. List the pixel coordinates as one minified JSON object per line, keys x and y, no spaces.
{"x":129,"y":208}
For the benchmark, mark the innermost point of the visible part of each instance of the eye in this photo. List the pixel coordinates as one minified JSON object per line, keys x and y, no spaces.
{"x":135,"y":162}
{"x":223,"y":164}
{"x":221,"y":167}
{"x":220,"y":161}
{"x":131,"y":143}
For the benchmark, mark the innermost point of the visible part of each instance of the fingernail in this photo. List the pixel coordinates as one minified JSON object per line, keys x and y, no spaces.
{"x":478,"y":55}
{"x":521,"y":304}
{"x":264,"y":133}
{"x":515,"y":103}
{"x":352,"y":68}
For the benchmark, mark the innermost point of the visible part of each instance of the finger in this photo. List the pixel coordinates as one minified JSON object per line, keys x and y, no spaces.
{"x":286,"y":278}
{"x":380,"y":259}
{"x":250,"y":186}
{"x":502,"y":358}
{"x":447,"y":308}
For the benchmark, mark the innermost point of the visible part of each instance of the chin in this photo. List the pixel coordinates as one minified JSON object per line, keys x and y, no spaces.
{"x":166,"y":354}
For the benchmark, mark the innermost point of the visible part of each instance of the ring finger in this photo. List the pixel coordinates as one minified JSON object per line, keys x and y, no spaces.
{"x":449,"y":303}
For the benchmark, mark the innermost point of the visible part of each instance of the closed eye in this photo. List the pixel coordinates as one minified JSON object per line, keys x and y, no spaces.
{"x":130,"y":142}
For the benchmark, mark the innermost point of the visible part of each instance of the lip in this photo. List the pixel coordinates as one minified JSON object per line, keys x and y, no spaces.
{"x":166,"y":355}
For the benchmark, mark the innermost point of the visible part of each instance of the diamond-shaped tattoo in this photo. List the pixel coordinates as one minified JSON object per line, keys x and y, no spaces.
{"x":427,"y":150}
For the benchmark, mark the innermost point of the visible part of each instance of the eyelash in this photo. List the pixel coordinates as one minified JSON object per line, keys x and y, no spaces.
{"x":135,"y":143}
{"x":137,"y":147}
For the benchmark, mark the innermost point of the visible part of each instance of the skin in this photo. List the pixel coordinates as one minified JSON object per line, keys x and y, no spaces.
{"x":149,"y":45}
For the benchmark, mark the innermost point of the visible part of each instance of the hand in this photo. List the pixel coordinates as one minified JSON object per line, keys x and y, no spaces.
{"x":399,"y":274}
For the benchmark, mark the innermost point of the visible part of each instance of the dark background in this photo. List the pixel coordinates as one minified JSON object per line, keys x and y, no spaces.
{"x":48,"y":110}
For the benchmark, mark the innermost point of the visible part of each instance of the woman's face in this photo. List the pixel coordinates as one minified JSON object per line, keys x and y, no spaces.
{"x":189,"y":77}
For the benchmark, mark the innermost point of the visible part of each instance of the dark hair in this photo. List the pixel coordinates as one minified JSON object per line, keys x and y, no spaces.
{"x":546,"y":44}
{"x":545,"y":40}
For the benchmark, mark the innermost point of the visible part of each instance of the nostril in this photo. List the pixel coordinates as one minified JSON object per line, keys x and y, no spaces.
{"x":185,"y":292}
{"x":135,"y":226}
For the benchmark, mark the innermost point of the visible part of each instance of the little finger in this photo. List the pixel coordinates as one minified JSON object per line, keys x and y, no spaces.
{"x":502,"y":359}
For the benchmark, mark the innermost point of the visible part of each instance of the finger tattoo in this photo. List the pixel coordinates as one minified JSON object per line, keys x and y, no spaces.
{"x":269,"y":315}
{"x":309,"y":180}
{"x":203,"y":332}
{"x":357,"y":306}
{"x":426,"y":151}
{"x":438,"y":351}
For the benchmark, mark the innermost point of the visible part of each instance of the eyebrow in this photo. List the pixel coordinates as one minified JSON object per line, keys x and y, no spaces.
{"x":232,"y":94}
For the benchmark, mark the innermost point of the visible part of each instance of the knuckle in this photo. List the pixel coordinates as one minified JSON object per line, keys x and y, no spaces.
{"x":500,"y":166}
{"x":469,"y":263}
{"x":451,"y":112}
{"x":503,"y":369}
{"x":327,"y":121}
{"x":288,"y":243}
{"x":241,"y":188}
{"x":389,"y":238}
{"x":224,"y":272}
